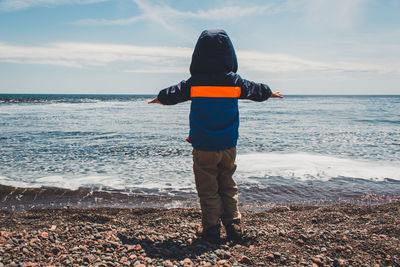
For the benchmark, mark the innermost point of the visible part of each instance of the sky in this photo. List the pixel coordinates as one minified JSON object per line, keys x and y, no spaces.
{"x":297,"y":47}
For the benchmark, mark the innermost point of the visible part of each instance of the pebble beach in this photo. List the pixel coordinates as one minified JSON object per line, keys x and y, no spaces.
{"x":336,"y":235}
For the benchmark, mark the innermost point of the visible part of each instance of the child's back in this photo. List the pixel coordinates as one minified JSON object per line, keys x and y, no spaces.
{"x":214,"y":89}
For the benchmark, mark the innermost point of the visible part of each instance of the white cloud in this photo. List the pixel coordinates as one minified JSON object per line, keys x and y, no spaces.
{"x":90,"y":54}
{"x":13,"y":5}
{"x":341,"y":14}
{"x":284,"y":63}
{"x":97,"y":22}
{"x":158,"y":59}
{"x":163,"y":13}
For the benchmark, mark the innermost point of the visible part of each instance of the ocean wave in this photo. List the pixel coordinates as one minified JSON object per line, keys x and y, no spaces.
{"x":306,"y":166}
{"x":73,"y":99}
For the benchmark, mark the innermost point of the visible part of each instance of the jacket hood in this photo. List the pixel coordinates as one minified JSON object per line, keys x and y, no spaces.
{"x":214,"y":53}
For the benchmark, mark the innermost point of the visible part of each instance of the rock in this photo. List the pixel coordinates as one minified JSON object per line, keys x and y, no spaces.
{"x":167,"y":263}
{"x":323,"y":249}
{"x":44,"y":235}
{"x":303,"y":237}
{"x":245,"y":260}
{"x":338,"y":262}
{"x":317,"y":261}
{"x":222,"y":262}
{"x":107,"y":258}
{"x":137,"y":263}
{"x":270,"y":256}
{"x":53,"y":228}
{"x":223,"y":253}
{"x":89,"y":258}
{"x":130,"y":248}
{"x":30,"y":264}
{"x":25,"y":250}
{"x":187,"y":261}
{"x":277,"y":255}
{"x":123,"y":260}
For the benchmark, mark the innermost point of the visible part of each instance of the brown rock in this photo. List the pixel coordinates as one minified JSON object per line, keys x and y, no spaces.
{"x":167,"y":263}
{"x":187,"y":261}
{"x":130,"y":248}
{"x":123,"y":259}
{"x":245,"y":260}
{"x":222,"y":262}
{"x":317,"y":260}
{"x":270,"y":256}
{"x":44,"y":235}
{"x":30,"y":264}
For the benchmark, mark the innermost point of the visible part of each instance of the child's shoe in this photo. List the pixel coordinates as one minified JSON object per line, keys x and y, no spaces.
{"x":212,"y":234}
{"x":234,"y":231}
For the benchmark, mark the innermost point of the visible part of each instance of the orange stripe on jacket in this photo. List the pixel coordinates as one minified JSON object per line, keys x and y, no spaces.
{"x":215,"y":91}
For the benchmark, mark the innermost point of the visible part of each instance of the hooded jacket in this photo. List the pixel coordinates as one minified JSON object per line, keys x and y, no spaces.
{"x":214,"y":89}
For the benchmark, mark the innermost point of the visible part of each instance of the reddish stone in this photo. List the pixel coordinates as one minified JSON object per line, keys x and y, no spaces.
{"x":44,"y":235}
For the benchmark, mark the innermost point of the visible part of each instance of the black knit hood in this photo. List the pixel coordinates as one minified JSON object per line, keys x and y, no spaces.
{"x":214,"y":53}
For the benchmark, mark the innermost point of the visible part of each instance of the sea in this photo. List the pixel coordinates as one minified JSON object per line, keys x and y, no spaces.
{"x":62,"y":151}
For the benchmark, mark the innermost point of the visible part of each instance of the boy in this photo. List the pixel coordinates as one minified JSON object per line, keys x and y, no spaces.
{"x":214,"y":89}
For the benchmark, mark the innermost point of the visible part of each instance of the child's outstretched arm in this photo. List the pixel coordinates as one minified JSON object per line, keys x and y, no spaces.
{"x":255,"y":91}
{"x":276,"y":95}
{"x":173,"y":95}
{"x":154,"y":101}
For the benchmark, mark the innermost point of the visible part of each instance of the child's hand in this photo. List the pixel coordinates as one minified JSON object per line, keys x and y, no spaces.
{"x":276,"y":95}
{"x":154,"y":101}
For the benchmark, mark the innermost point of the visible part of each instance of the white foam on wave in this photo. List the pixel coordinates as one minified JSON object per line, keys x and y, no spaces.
{"x":253,"y":168}
{"x":102,"y":182}
{"x":68,"y":182}
{"x":307,"y":166}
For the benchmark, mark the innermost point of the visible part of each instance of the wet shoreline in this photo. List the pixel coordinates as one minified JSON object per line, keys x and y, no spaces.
{"x":19,"y":199}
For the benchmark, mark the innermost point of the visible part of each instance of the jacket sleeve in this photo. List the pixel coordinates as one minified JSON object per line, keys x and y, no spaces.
{"x":253,"y":91}
{"x":175,"y":94}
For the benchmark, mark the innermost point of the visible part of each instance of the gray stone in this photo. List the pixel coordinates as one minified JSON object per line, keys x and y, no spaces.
{"x":277,"y":255}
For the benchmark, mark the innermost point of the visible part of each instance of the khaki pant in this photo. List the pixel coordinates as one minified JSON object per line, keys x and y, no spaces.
{"x":217,"y":191}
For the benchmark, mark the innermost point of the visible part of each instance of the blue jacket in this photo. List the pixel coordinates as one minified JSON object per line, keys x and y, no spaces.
{"x":214,"y":89}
